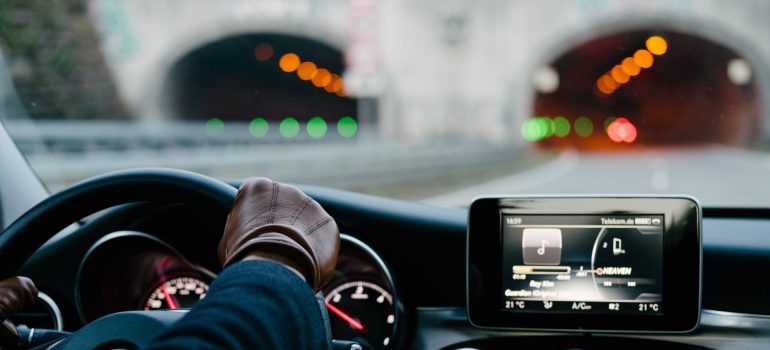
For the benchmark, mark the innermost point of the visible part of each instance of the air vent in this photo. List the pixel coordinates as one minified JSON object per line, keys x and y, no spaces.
{"x":43,"y":314}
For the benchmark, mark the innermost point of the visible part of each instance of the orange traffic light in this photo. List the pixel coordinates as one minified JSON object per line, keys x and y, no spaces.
{"x":289,"y":62}
{"x":643,"y":58}
{"x":656,"y":45}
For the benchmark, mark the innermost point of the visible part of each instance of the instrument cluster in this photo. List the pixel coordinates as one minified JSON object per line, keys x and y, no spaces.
{"x":130,"y":270}
{"x":362,"y":299}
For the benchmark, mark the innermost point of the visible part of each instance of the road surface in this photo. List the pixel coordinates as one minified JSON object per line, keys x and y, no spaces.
{"x":717,"y":176}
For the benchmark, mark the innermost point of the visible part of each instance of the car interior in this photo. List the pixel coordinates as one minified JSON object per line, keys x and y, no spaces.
{"x":612,"y":227}
{"x":162,"y":222}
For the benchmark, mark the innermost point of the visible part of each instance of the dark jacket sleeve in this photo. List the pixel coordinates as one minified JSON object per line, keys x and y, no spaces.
{"x":251,"y":305}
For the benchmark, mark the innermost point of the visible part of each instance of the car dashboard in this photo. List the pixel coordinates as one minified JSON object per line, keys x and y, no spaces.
{"x":400,"y":281}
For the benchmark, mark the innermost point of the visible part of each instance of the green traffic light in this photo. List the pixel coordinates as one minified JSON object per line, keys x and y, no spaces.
{"x":347,"y":127}
{"x":258,"y":127}
{"x":584,"y":127}
{"x":215,"y":127}
{"x":289,"y":128}
{"x":316,"y":127}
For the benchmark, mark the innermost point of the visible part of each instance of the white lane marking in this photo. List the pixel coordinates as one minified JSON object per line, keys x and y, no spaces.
{"x":660,"y":181}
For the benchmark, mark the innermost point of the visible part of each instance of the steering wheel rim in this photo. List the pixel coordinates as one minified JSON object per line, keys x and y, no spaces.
{"x":161,"y":185}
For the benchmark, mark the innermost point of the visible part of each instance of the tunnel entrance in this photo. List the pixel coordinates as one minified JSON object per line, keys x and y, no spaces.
{"x":267,"y":76}
{"x":691,"y":92}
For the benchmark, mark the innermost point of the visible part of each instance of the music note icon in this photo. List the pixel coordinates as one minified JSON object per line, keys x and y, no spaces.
{"x":541,"y":246}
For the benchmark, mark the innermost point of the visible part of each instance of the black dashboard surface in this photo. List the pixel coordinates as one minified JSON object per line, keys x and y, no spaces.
{"x":425,"y":248}
{"x":425,"y":245}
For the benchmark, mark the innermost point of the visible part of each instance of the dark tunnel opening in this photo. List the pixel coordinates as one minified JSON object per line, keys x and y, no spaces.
{"x":689,"y":95}
{"x":240,"y":78}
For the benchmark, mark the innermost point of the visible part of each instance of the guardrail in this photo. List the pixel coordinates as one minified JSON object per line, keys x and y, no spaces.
{"x":66,"y":136}
{"x":64,"y":152}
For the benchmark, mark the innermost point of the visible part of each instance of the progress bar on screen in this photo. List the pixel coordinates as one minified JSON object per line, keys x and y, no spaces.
{"x":541,"y":270}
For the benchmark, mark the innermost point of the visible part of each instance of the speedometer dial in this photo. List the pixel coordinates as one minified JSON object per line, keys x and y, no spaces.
{"x":176,"y":293}
{"x":363,"y":312}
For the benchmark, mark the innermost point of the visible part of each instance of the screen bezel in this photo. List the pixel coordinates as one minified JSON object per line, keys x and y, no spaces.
{"x":682,"y":256}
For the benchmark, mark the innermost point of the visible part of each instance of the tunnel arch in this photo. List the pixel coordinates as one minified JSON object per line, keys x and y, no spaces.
{"x":239,"y":77}
{"x":696,"y":30}
{"x":147,"y":96}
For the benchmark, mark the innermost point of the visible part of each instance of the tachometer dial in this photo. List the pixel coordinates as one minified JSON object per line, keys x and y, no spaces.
{"x":176,"y":293}
{"x":363,"y":312}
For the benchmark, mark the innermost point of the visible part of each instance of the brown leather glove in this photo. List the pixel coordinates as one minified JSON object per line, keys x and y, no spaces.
{"x":278,"y":222}
{"x":15,"y":292}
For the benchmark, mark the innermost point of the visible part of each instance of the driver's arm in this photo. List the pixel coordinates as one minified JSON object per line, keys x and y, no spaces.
{"x":251,"y":305}
{"x":279,"y":246}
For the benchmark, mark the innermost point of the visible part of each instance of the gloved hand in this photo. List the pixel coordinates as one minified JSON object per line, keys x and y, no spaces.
{"x":278,"y":222}
{"x":15,"y":292}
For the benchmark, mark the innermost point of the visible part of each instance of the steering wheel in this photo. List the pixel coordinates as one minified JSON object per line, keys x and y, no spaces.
{"x":158,"y":185}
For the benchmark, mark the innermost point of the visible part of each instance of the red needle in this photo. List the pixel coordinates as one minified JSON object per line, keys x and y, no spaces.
{"x":355,"y":324}
{"x":169,"y":300}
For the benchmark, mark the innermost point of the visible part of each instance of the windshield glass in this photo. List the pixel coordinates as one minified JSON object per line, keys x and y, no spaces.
{"x":433,"y":101}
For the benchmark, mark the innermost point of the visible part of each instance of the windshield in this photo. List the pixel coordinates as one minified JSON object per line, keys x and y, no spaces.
{"x":432,"y":101}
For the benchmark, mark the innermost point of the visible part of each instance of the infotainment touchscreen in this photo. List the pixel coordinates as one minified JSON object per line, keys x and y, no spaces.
{"x":585,"y":263}
{"x":603,"y":264}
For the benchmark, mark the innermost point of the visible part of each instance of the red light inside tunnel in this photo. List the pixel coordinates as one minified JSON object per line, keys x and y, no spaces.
{"x":629,"y":131}
{"x":613,"y":133}
{"x":622,"y":130}
{"x":263,"y":52}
